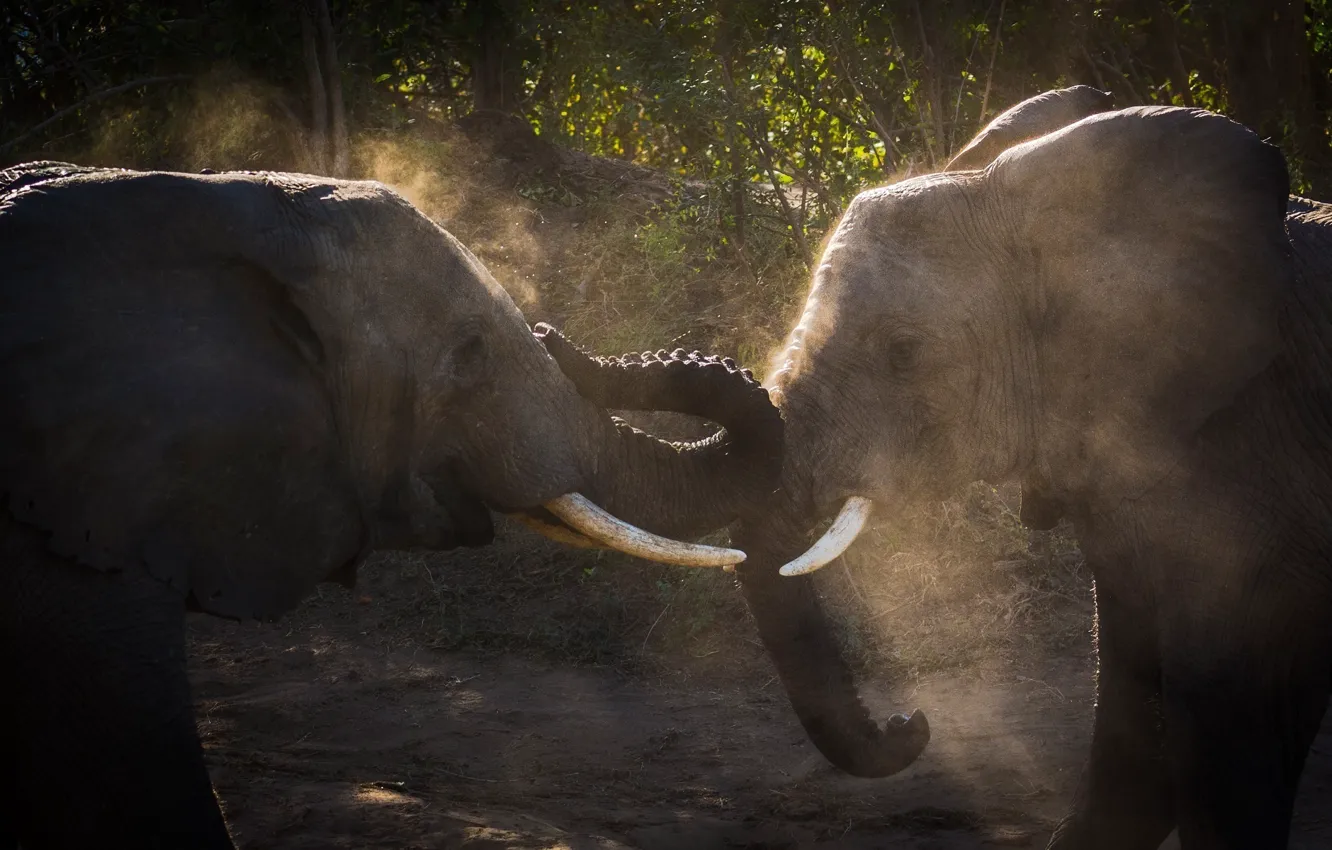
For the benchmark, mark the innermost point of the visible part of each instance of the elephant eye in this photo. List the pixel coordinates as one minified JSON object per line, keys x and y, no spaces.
{"x":468,"y":360}
{"x":903,"y":353}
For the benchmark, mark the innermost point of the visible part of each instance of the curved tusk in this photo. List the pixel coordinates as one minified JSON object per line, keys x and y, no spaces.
{"x":836,"y":540}
{"x":581,"y":514}
{"x":558,"y":533}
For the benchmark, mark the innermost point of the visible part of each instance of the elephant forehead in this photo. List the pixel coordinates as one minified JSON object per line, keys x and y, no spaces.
{"x":902,"y":202}
{"x":486,"y":286}
{"x":923,"y":220}
{"x":898,"y":253}
{"x":889,"y":262}
{"x":424,"y":285}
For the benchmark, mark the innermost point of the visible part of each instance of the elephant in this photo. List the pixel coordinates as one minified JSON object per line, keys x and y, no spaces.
{"x":1129,"y":311}
{"x":220,"y":390}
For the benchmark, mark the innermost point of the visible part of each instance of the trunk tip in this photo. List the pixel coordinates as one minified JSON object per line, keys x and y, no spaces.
{"x":902,"y":741}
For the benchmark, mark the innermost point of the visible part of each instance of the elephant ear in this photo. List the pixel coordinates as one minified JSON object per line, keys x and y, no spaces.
{"x":1156,"y":238}
{"x":163,"y":360}
{"x":1033,"y":117}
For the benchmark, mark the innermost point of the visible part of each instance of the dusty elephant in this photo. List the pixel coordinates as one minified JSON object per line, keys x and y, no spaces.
{"x":1034,"y":117}
{"x":220,"y":390}
{"x":1123,"y":310}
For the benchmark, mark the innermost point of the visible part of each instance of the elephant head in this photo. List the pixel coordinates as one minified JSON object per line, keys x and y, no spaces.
{"x":1076,"y":311}
{"x":244,"y":382}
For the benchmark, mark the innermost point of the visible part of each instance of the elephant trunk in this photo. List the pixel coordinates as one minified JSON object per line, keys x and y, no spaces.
{"x":676,"y":489}
{"x":818,"y":680}
{"x":687,"y":489}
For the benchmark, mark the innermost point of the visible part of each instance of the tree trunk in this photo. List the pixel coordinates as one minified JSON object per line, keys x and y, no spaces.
{"x":1268,"y":81}
{"x":329,"y":146}
{"x":989,"y":74}
{"x":341,"y":154}
{"x":318,"y":97}
{"x":496,"y":71}
{"x":1166,"y":30}
{"x":792,"y":220}
{"x":938,"y":150}
{"x":732,"y":142}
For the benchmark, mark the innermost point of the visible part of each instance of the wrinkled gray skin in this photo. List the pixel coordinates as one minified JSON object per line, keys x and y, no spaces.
{"x":220,"y":390}
{"x":1031,"y":119}
{"x":1123,"y":311}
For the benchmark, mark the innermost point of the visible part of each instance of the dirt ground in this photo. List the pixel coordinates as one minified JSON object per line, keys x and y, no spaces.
{"x":342,"y":727}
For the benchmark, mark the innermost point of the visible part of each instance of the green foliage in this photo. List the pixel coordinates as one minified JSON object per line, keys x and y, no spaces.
{"x":788,"y":108}
{"x":769,"y":116}
{"x":675,"y":278}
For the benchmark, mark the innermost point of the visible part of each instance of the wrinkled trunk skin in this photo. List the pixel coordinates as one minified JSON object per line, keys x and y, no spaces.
{"x":679,"y":490}
{"x":797,"y":634}
{"x":676,"y":490}
{"x":792,"y":623}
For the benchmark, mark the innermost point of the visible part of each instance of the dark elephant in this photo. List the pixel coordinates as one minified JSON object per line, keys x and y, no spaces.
{"x":220,"y":390}
{"x":1124,"y":311}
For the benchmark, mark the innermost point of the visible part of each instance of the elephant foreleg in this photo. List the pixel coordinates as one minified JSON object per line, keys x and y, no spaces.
{"x":1124,"y":801}
{"x":101,"y":729}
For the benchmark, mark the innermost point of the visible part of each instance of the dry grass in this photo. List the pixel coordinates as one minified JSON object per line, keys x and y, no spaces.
{"x":961,"y":583}
{"x":525,"y":594}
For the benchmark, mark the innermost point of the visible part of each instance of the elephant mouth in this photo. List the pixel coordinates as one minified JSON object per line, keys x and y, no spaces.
{"x":470,"y":520}
{"x":420,"y":514}
{"x":575,"y":520}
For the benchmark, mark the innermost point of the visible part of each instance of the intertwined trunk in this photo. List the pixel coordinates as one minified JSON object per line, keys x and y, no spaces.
{"x":683,"y":490}
{"x":676,"y":489}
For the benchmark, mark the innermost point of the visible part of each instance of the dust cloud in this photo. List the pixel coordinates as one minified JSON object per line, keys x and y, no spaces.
{"x":446,"y":179}
{"x":225,"y":121}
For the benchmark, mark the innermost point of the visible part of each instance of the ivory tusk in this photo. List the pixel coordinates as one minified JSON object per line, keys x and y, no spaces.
{"x":836,"y":540}
{"x":581,"y":514}
{"x":558,"y":533}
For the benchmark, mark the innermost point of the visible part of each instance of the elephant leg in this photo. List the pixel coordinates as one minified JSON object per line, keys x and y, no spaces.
{"x":8,"y":834}
{"x":1238,"y":731}
{"x":1124,"y":800}
{"x":101,"y":729}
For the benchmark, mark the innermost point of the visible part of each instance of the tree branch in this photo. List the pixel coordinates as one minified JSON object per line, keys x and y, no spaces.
{"x":989,"y":75}
{"x":333,"y":87}
{"x":90,"y":99}
{"x":318,"y":97}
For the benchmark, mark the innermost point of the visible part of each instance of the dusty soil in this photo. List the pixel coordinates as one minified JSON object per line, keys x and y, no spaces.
{"x":346,"y":726}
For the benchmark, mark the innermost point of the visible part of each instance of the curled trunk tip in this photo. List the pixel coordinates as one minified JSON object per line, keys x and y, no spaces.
{"x":810,"y":660}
